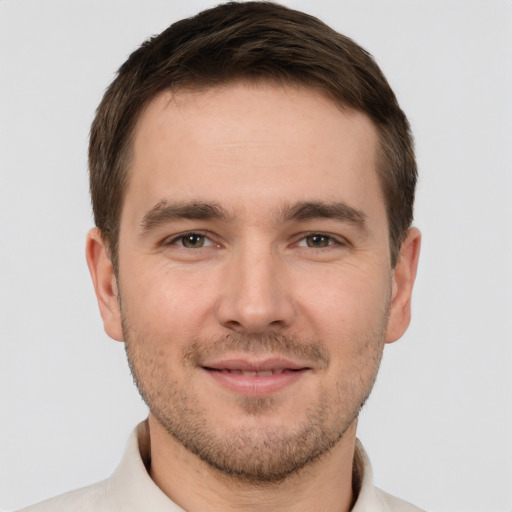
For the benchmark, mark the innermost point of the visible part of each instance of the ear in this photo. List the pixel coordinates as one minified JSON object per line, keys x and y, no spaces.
{"x":104,"y":281}
{"x":403,"y":278}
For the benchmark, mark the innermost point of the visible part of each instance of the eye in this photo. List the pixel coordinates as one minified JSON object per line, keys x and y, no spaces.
{"x":192,"y":241}
{"x":317,"y":240}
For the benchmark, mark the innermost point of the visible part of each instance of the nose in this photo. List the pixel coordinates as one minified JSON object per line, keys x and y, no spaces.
{"x":255,"y":294}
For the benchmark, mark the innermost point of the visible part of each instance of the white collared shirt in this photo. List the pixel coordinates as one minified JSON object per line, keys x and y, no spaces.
{"x":131,"y":489}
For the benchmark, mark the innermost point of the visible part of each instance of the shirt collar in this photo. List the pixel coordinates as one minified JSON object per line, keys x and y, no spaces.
{"x":132,"y":489}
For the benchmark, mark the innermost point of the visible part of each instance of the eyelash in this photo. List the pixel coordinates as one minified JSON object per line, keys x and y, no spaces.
{"x":331,"y":240}
{"x":180,"y":240}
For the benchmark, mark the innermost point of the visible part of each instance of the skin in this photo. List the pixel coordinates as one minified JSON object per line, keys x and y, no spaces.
{"x":278,"y":277}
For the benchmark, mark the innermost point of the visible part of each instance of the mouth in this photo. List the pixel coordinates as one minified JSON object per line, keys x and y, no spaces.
{"x":253,"y":373}
{"x":255,"y":378}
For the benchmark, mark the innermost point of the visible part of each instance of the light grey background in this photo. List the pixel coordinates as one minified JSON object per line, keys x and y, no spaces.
{"x":438,"y":427}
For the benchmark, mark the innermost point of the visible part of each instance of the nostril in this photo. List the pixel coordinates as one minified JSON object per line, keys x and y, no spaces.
{"x":255,"y":312}
{"x":234,"y":325}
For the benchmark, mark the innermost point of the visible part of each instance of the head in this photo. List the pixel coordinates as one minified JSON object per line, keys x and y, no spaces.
{"x":257,"y":42}
{"x":252,"y":179}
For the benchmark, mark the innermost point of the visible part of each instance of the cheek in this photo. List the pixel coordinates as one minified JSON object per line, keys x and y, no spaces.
{"x":166,"y":301}
{"x":343,"y":307}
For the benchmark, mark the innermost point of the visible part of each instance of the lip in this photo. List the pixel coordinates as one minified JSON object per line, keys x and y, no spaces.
{"x":255,"y":377}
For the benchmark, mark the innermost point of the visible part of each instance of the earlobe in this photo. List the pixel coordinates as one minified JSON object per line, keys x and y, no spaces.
{"x":104,"y":281}
{"x":404,"y":276}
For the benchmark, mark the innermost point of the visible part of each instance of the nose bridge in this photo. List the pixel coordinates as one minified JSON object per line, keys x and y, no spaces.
{"x":255,"y":298}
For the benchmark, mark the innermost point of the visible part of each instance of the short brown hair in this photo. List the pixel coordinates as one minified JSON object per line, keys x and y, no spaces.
{"x":252,"y":41}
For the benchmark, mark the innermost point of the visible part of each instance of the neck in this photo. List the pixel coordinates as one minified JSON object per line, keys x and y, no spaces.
{"x":324,"y":485}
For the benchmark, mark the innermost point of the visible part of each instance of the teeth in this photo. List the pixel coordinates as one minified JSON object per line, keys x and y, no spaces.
{"x":235,"y":372}
{"x":253,"y":373}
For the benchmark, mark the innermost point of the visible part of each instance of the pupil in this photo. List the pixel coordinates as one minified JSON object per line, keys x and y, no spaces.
{"x":317,"y":240}
{"x":193,"y":241}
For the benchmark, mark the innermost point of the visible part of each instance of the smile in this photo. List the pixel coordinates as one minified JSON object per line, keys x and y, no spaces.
{"x":254,"y":373}
{"x":255,"y":378}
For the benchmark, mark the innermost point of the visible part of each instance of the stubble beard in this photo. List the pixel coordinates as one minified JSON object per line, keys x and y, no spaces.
{"x":257,"y":453}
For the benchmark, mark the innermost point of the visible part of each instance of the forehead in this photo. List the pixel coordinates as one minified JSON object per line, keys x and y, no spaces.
{"x":266,"y":143}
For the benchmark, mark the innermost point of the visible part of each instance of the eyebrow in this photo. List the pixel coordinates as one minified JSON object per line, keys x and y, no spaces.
{"x":311,"y":210}
{"x":164,"y":212}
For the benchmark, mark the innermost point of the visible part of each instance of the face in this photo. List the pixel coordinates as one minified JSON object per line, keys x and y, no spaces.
{"x":254,"y":291}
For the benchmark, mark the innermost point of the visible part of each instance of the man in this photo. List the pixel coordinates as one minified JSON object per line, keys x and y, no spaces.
{"x":252,"y":179}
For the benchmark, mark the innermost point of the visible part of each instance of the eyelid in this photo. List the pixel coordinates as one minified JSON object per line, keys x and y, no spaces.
{"x":335,"y":239}
{"x":175,"y":239}
{"x":209,"y":241}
